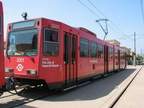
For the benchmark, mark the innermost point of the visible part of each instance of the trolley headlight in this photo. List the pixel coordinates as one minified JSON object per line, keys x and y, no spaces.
{"x":31,"y":71}
{"x":9,"y":70}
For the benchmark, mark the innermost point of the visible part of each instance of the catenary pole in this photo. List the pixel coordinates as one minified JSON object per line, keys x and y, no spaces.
{"x":134,"y":59}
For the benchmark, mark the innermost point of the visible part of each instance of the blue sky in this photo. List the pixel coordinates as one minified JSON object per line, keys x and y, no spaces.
{"x":125,"y":16}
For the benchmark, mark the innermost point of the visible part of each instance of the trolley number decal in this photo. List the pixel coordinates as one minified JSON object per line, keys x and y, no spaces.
{"x":55,"y":26}
{"x":20,"y":59}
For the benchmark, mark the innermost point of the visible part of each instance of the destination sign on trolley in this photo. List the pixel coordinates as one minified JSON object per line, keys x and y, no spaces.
{"x":24,"y":24}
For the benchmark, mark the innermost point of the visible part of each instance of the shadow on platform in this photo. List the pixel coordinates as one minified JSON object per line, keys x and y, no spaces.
{"x":94,"y":90}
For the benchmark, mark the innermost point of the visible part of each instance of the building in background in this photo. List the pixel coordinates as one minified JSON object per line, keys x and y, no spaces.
{"x":128,"y":50}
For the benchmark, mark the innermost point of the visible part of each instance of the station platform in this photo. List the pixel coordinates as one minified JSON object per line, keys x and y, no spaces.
{"x":101,"y":93}
{"x":133,"y":96}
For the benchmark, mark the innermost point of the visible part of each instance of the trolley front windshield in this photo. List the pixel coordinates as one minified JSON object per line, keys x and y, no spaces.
{"x":22,"y":43}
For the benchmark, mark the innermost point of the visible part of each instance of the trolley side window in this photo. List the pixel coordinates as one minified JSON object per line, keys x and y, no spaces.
{"x":116,"y":54}
{"x":93,"y":49}
{"x":50,"y":42}
{"x":0,"y":33}
{"x":122,"y":55}
{"x":100,"y":51}
{"x":66,"y":38}
{"x":84,"y":47}
{"x":110,"y":53}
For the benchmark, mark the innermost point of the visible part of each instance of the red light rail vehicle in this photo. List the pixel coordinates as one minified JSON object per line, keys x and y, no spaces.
{"x":2,"y":73}
{"x":47,"y":52}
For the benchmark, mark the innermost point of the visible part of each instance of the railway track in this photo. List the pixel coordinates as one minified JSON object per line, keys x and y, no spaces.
{"x":10,"y":101}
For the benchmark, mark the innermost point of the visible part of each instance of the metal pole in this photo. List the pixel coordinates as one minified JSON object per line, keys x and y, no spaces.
{"x":134,"y":59}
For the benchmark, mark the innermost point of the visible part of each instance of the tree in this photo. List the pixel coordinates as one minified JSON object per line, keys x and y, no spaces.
{"x":139,"y":59}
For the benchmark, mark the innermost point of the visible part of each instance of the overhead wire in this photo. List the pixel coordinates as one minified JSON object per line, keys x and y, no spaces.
{"x":141,"y":2}
{"x":124,"y":37}
{"x":93,"y":12}
{"x":97,"y":8}
{"x":88,"y":8}
{"x":104,"y":16}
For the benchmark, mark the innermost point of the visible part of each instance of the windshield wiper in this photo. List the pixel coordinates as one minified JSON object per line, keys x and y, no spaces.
{"x":31,"y":57}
